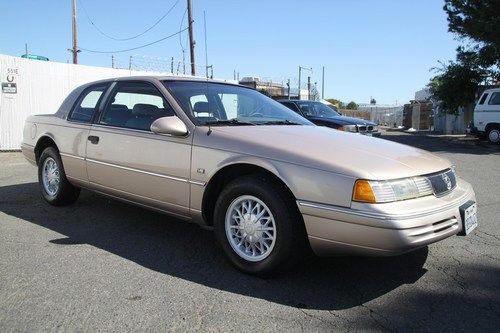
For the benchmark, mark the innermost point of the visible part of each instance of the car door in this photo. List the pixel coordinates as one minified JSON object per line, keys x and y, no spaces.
{"x":127,"y":160}
{"x":72,"y":137}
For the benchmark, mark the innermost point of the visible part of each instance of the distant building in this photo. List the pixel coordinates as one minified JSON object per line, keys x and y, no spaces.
{"x":269,"y":88}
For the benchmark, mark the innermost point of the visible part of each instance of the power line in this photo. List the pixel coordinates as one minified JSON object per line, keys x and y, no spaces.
{"x":128,"y":38}
{"x":138,"y":47}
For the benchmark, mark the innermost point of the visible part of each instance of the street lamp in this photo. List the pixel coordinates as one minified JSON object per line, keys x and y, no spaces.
{"x":300,"y":72}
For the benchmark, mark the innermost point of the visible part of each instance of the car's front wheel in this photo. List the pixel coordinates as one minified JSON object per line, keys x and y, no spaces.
{"x":494,"y":135}
{"x":55,"y":187}
{"x":258,"y":226}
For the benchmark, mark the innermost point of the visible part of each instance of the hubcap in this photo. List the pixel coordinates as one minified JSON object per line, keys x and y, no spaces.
{"x":494,"y":136}
{"x":50,"y":176}
{"x":250,"y":228}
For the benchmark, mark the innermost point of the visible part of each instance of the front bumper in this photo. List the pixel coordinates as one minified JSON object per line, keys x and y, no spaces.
{"x":384,"y":229}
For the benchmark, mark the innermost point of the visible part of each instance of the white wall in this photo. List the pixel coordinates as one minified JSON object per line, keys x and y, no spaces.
{"x":41,"y":88}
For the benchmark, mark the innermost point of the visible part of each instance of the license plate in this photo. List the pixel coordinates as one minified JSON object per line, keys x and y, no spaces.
{"x":469,"y":217}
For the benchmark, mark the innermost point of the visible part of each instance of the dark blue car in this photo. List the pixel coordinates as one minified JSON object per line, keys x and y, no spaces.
{"x":323,"y":115}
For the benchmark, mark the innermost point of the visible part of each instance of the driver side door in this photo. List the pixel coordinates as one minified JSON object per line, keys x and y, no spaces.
{"x":125,"y":159}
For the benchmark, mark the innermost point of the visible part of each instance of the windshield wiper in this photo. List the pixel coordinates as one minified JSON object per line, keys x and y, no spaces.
{"x":279,"y":122}
{"x":233,"y":122}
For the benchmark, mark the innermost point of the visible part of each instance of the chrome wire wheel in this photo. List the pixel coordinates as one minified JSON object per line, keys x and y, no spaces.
{"x":51,"y":176}
{"x":250,"y":228}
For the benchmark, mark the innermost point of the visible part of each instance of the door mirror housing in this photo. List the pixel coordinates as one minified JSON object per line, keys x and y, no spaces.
{"x":169,"y":126}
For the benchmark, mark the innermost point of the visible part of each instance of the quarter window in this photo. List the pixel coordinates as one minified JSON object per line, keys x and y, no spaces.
{"x":135,"y":105}
{"x":87,"y":104}
{"x":483,"y":99}
{"x":495,"y":99}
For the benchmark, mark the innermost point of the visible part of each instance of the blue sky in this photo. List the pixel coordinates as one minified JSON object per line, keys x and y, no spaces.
{"x":379,"y":48}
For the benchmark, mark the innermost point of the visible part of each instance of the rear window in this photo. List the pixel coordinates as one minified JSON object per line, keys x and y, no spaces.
{"x":87,"y":104}
{"x":483,"y":99}
{"x":495,"y":99}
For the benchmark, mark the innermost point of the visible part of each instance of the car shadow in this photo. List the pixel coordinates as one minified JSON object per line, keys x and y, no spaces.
{"x":186,"y":251}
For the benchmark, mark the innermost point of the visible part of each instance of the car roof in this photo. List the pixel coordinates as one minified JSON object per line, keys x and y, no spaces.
{"x":492,"y":90}
{"x":162,"y":78}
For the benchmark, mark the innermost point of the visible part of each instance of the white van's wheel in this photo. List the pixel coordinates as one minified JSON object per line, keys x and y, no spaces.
{"x":494,"y":135}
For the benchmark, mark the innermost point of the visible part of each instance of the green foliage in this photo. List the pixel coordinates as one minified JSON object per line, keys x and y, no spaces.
{"x":352,"y":106}
{"x":477,"y":23}
{"x":336,"y":102}
{"x":456,"y":85}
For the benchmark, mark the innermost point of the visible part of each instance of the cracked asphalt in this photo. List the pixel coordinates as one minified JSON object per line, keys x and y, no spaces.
{"x":101,"y":265}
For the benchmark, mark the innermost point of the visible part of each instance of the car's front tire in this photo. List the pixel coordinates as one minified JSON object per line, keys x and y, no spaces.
{"x":494,"y":135}
{"x":55,"y":187}
{"x":258,"y":226}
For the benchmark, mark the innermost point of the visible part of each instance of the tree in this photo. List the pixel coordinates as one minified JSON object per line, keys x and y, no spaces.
{"x":457,"y":83}
{"x":477,"y":21}
{"x":352,"y":106}
{"x":336,"y":102}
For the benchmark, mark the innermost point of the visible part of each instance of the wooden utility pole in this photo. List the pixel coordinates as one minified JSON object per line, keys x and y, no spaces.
{"x":191,"y":39}
{"x":74,"y":49}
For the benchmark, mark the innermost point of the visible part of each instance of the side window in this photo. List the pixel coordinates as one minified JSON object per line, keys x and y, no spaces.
{"x":483,"y":99}
{"x":291,"y":106}
{"x":135,"y":105}
{"x":87,"y":104}
{"x":495,"y":99}
{"x":230,"y":103}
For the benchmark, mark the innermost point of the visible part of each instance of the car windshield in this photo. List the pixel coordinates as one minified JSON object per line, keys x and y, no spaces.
{"x":229,"y":105}
{"x":317,"y":109}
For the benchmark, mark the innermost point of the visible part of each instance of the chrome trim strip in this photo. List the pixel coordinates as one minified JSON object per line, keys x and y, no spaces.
{"x":72,"y":156}
{"x":26,"y":145}
{"x":194,"y":182}
{"x":379,"y":216}
{"x":184,"y":180}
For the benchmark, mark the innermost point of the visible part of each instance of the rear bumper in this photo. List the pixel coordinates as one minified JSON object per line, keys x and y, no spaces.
{"x":336,"y":230}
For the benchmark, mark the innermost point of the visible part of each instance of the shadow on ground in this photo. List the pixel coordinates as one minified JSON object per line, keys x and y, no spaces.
{"x":436,"y":144}
{"x":187,"y":251}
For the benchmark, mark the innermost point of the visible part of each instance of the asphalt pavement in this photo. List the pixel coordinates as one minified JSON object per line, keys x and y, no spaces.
{"x":101,"y":265}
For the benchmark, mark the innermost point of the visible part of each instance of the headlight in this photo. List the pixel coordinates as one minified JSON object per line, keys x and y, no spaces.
{"x":379,"y":191}
{"x":348,"y":128}
{"x":375,"y":128}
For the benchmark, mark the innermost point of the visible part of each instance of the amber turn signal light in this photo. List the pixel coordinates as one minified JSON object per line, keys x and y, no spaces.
{"x":363,"y":192}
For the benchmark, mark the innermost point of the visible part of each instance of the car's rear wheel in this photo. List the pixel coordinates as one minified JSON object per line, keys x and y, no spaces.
{"x":258,"y":226}
{"x":55,"y":187}
{"x":494,"y":135}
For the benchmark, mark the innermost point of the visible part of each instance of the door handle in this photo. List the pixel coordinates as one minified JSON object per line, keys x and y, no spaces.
{"x":93,"y":139}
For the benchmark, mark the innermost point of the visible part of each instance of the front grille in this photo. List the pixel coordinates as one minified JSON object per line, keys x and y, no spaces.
{"x":362,"y":128}
{"x":443,"y":182}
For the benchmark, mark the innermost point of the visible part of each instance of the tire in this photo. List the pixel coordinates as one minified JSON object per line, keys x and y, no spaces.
{"x":55,"y":187}
{"x":494,"y":135}
{"x":284,"y":245}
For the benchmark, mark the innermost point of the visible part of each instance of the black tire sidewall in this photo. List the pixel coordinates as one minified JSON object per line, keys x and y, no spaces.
{"x":285,"y":219}
{"x":66,"y":193}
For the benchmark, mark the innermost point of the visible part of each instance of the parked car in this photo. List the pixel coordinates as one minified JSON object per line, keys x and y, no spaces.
{"x":487,"y":116}
{"x":324,"y":115}
{"x":268,"y":182}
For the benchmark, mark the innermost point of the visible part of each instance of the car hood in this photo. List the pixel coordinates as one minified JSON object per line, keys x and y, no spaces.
{"x":321,"y":148}
{"x":342,"y":120}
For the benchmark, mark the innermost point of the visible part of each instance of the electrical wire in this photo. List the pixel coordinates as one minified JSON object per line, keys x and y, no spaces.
{"x":180,"y":36}
{"x":127,"y":38}
{"x":138,"y":47}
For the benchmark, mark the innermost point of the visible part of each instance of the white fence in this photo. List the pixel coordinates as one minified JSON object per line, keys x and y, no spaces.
{"x":36,"y":87}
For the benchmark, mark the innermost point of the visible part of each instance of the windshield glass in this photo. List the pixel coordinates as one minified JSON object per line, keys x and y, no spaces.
{"x":317,"y":109}
{"x":227,"y":105}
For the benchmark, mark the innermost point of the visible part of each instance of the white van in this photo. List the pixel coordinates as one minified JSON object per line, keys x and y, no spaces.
{"x":487,"y":115}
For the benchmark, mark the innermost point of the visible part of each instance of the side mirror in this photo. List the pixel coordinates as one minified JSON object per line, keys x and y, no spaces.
{"x":169,"y":126}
